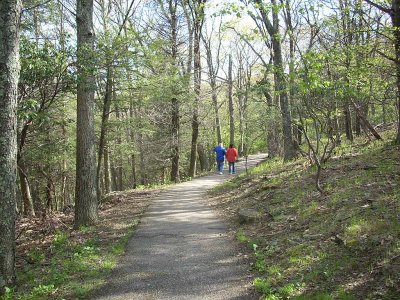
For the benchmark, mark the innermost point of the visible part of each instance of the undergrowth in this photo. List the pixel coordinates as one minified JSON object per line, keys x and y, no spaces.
{"x":53,"y":261}
{"x":344,"y":244}
{"x":70,"y":268}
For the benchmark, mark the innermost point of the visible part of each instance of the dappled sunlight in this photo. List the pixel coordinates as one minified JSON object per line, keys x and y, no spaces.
{"x":181,"y":250}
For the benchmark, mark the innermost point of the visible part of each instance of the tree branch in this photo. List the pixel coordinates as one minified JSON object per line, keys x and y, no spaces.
{"x":380,"y":7}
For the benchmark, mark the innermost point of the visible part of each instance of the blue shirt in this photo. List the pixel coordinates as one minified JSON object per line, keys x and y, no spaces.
{"x":220,"y":152}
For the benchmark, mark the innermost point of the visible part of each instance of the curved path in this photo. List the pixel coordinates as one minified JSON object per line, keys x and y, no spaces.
{"x":180,"y":250}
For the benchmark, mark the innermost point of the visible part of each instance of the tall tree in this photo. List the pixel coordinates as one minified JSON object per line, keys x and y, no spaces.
{"x":171,"y":16}
{"x":198,"y":18}
{"x":213,"y":69}
{"x":280,"y":78}
{"x":85,"y":189}
{"x":230,"y":103}
{"x":10,"y":11}
{"x":394,"y":12}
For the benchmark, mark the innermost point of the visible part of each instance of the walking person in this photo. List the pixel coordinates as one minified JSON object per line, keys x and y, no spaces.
{"x":231,"y":157}
{"x":220,"y":157}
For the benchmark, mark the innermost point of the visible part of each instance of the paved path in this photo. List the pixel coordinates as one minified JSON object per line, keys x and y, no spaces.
{"x":180,"y":250}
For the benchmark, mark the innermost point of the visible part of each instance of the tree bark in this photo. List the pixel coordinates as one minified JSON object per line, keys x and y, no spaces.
{"x":204,"y":166}
{"x":175,"y":140}
{"x":107,"y":172}
{"x":25,"y":190}
{"x":348,"y":123}
{"x":230,"y":99}
{"x":103,"y":130}
{"x":86,"y":208}
{"x":10,"y":12}
{"x":23,"y":178}
{"x":198,"y":16}
{"x":212,"y":75}
{"x":118,"y":167}
{"x":175,"y":118}
{"x":396,"y":25}
{"x":132,"y":139}
{"x":366,"y":122}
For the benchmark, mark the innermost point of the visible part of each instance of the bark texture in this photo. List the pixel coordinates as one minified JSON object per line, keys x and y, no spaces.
{"x":85,"y":193}
{"x":396,"y":25}
{"x":10,"y":11}
{"x":198,"y":16}
{"x":230,"y":100}
{"x":175,"y":118}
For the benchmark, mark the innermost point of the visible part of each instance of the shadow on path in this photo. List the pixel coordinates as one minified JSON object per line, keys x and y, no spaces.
{"x":181,"y":251}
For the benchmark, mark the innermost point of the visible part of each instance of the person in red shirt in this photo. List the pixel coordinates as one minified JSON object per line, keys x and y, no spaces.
{"x":231,"y":157}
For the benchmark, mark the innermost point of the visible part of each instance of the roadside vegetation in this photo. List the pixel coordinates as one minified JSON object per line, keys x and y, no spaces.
{"x":56,"y":262}
{"x":340,"y":244}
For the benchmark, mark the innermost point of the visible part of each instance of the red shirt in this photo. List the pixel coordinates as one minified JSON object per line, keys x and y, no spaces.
{"x":231,"y":154}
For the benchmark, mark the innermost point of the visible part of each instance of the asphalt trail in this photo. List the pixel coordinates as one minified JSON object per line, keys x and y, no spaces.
{"x":180,"y":250}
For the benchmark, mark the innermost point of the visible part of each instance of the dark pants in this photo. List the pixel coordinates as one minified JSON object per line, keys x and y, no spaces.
{"x":231,"y":167}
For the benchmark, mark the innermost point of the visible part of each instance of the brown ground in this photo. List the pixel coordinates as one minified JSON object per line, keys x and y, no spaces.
{"x":115,"y":220}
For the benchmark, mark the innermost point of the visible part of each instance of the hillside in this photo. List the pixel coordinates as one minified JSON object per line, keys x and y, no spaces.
{"x":344,"y":244}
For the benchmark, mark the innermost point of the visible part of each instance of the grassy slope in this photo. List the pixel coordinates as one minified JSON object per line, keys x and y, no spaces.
{"x":342,"y":245}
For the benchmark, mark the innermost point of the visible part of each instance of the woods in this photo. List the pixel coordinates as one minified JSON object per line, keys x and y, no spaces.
{"x":111,"y":95}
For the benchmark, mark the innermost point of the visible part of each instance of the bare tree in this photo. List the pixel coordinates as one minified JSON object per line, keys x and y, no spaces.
{"x":213,"y":69}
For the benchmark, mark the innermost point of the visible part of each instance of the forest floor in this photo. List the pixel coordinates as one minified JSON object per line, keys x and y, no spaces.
{"x":343,"y":244}
{"x":53,"y":261}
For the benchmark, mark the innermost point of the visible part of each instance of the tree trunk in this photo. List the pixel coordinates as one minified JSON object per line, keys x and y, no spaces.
{"x":204,"y":166}
{"x":114,"y":179}
{"x":86,"y":208}
{"x":175,"y":141}
{"x":212,"y":75}
{"x":143,"y":170}
{"x":10,"y":13}
{"x":289,"y":150}
{"x":107,"y":172}
{"x":198,"y":22}
{"x":118,"y":166}
{"x":25,"y":190}
{"x":133,"y":168}
{"x":280,"y":80}
{"x":175,"y":118}
{"x":365,"y":121}
{"x":230,"y":99}
{"x":348,"y":123}
{"x":103,"y":129}
{"x":396,"y":25}
{"x":23,"y":178}
{"x":336,"y":128}
{"x":50,"y":196}
{"x":132,"y":139}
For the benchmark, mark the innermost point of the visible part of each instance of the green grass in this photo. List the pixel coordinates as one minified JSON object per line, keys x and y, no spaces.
{"x":70,"y":268}
{"x":339,"y":245}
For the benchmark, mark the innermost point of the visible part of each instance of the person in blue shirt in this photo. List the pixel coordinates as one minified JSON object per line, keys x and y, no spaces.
{"x":220,"y":157}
